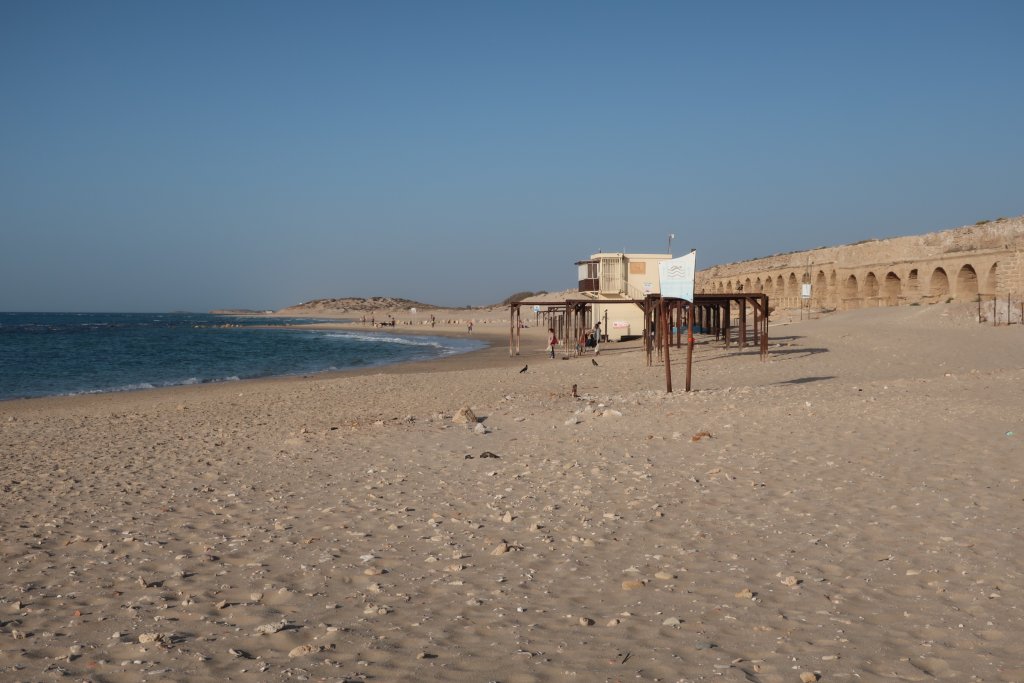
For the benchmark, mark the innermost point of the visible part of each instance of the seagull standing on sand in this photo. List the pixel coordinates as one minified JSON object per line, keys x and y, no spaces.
{"x":524,"y":369}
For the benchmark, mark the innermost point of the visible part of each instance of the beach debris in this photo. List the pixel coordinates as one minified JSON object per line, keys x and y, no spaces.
{"x":700,"y":435}
{"x":584,"y":621}
{"x":303,"y":650}
{"x":464,"y":416}
{"x":525,"y":367}
{"x":267,"y":629}
{"x":480,"y":429}
{"x":241,"y":654}
{"x":500,"y":549}
{"x":632,"y":584}
{"x":808,"y":677}
{"x":613,"y":622}
{"x":745,"y":594}
{"x":146,"y":638}
{"x":488,"y":454}
{"x":672,"y":621}
{"x":791,"y":581}
{"x":664,"y":576}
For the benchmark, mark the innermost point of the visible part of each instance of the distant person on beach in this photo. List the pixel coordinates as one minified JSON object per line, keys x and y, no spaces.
{"x":581,"y":343}
{"x":597,"y":338}
{"x":552,"y":341}
{"x":470,"y":327}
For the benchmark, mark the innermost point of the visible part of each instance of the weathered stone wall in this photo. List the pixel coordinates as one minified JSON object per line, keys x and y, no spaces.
{"x":956,"y":264}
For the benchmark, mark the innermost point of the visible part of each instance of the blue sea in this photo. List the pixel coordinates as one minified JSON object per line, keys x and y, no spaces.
{"x":49,"y":354}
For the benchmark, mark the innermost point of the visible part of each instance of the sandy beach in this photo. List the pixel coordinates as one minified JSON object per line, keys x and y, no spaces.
{"x":850,"y":509}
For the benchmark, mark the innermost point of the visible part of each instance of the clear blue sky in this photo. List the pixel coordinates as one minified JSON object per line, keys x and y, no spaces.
{"x":191,"y":155}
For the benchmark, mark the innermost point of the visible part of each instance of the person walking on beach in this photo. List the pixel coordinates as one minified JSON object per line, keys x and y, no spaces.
{"x":552,"y":341}
{"x":597,"y":338}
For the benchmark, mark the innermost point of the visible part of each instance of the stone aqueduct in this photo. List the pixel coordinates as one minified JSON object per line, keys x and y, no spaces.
{"x":958,"y":264}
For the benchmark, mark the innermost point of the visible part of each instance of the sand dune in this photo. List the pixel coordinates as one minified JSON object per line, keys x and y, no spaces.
{"x":855,"y":515}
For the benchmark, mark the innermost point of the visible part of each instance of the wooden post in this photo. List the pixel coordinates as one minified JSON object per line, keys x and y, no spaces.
{"x":726,"y":323}
{"x":743,"y":322}
{"x":519,"y":328}
{"x":666,"y":332}
{"x":689,"y":344}
{"x":643,"y":332}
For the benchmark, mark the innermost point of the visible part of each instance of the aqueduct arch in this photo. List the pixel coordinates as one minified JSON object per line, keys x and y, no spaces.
{"x":966,"y":283}
{"x":938,"y":285}
{"x":891,"y":288}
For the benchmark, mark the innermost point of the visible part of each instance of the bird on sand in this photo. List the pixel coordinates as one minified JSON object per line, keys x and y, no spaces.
{"x":524,"y":369}
{"x":593,"y":361}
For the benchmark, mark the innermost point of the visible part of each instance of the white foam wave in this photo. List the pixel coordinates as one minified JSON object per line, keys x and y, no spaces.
{"x":431,"y":342}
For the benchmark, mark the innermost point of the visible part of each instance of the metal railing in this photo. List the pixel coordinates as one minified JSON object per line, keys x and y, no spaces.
{"x":1000,"y":310}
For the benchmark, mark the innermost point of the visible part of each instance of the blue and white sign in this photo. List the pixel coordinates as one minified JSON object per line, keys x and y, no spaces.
{"x":677,"y":276}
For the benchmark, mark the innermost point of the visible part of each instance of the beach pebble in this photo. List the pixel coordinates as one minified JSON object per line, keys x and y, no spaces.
{"x":151,"y":638}
{"x":464,"y":416}
{"x":267,"y":629}
{"x":572,"y":421}
{"x":613,"y":622}
{"x":500,"y":549}
{"x":632,"y":584}
{"x":303,"y":650}
{"x":480,"y":429}
{"x":790,"y":581}
{"x":705,"y":645}
{"x":808,"y":677}
{"x":671,"y":621}
{"x":584,"y":621}
{"x":374,"y":571}
{"x":664,"y":576}
{"x":745,"y":594}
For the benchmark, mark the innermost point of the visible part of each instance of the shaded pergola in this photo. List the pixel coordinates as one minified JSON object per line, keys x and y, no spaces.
{"x":665,"y":320}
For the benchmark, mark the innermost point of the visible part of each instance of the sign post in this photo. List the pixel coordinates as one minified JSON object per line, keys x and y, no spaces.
{"x":677,"y":276}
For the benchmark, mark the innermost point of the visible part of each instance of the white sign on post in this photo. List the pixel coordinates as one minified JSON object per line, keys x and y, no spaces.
{"x":805,"y":290}
{"x":677,"y":276}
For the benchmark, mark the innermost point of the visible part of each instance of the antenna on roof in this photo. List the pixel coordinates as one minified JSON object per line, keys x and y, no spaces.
{"x":671,"y":236}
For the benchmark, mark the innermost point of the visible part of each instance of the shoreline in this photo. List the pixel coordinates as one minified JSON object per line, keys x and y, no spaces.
{"x":492,"y":355}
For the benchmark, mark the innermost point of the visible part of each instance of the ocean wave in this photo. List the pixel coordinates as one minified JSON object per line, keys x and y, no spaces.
{"x":428,"y":342}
